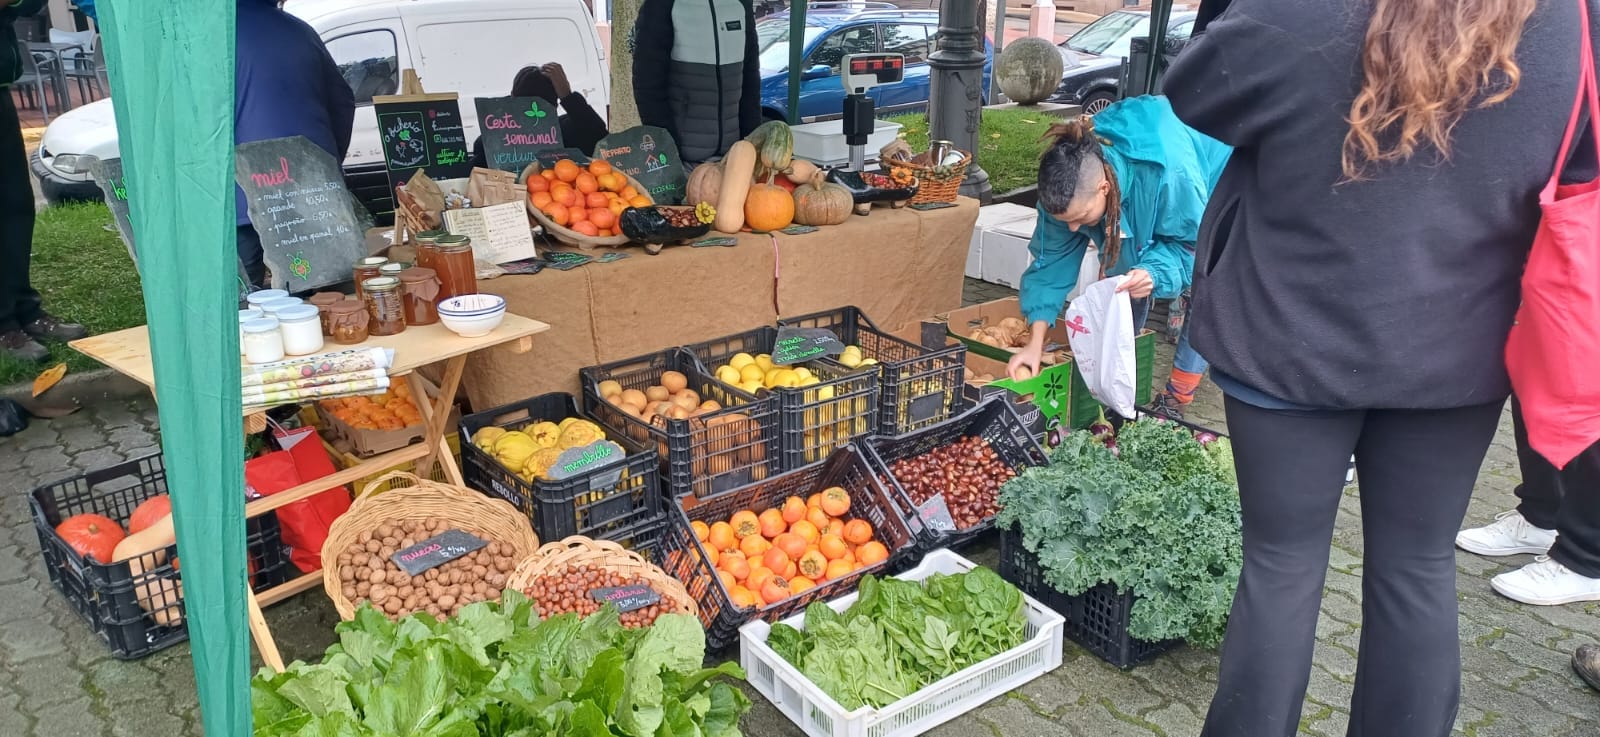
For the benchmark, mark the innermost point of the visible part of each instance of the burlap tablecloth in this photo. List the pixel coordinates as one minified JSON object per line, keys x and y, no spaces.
{"x":896,"y":265}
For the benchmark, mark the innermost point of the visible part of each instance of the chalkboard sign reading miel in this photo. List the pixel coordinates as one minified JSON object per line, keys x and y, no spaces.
{"x":312,"y":229}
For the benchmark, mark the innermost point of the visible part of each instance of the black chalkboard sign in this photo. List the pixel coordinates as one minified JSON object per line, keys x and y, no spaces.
{"x":627,"y":598}
{"x":108,"y":174}
{"x":548,"y":157}
{"x":516,"y":129}
{"x":803,"y":344}
{"x":437,"y":551}
{"x":312,"y":229}
{"x":935,"y":513}
{"x":649,"y":155}
{"x":422,"y":132}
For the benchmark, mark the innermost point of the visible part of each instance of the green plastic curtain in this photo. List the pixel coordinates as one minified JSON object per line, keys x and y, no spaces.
{"x":171,"y":68}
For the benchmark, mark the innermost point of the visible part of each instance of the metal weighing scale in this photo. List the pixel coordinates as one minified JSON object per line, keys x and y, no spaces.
{"x":862,"y":72}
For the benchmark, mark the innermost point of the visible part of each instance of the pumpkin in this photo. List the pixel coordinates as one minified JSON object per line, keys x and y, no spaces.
{"x":705,"y":184}
{"x":784,"y":182}
{"x":775,"y":144}
{"x":822,"y":203}
{"x":149,"y":512}
{"x":91,"y":535}
{"x":737,"y":169}
{"x":769,"y":207}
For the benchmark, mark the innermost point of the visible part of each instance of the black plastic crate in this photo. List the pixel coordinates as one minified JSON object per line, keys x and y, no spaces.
{"x":815,"y":420}
{"x":108,"y":596}
{"x":717,"y":451}
{"x":613,"y":498}
{"x":1097,"y":619}
{"x":686,"y":558}
{"x":994,"y":420}
{"x":919,"y":387}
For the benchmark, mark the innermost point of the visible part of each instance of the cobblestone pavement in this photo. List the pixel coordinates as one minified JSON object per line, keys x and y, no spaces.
{"x":58,"y":680}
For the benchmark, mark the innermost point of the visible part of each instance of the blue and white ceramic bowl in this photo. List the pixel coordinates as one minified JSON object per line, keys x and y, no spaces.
{"x":472,"y":315}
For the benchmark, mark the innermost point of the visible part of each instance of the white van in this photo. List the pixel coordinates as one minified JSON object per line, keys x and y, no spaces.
{"x":471,"y":47}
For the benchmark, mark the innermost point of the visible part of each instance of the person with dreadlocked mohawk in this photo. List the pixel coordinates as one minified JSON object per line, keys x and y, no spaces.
{"x":1133,"y":181}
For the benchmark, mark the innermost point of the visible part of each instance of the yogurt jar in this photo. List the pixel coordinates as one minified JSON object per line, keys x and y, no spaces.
{"x":256,"y":299}
{"x":263,"y":343}
{"x":301,"y":327}
{"x":273,"y":307}
{"x":244,"y":317}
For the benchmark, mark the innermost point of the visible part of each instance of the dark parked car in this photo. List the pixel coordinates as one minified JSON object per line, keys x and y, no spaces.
{"x":1092,"y":57}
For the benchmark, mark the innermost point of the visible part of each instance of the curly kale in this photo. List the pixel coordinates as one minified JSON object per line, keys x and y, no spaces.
{"x":1162,"y":520}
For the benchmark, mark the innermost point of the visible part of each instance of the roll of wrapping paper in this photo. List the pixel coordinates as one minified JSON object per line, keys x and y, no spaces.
{"x":350,"y":361}
{"x":345,"y":388}
{"x":251,"y":393}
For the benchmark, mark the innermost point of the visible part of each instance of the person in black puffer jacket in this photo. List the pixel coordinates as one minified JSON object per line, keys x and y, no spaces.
{"x":695,"y":73}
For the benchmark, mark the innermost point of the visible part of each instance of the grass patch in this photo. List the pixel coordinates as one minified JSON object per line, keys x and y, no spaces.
{"x":85,"y":275}
{"x":1008,"y":144}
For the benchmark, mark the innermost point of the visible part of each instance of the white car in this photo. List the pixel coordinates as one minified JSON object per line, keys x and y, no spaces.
{"x":471,"y":47}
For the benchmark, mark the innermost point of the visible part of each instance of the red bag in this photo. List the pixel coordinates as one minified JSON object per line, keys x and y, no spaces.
{"x":1554,"y":346}
{"x":305,"y":523}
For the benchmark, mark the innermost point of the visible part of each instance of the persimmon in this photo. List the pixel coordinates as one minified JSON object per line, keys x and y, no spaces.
{"x":777,"y":559}
{"x":599,"y":167}
{"x":736,"y":566}
{"x":775,"y":589}
{"x":558,"y":213}
{"x":728,"y":579}
{"x":713,"y":556}
{"x":794,"y":510}
{"x":566,"y":170}
{"x":538,"y":184}
{"x":807,"y":530}
{"x":577,"y":213}
{"x":602,"y":217}
{"x":721,"y":536}
{"x":540,"y":200}
{"x":839,"y":569}
{"x":872,"y":553}
{"x":628,"y":193}
{"x":594,"y":200}
{"x":792,"y":544}
{"x":772,"y":524}
{"x":758,"y":576}
{"x":587,"y":228}
{"x":817,"y":517}
{"x":701,"y":530}
{"x":814,"y":501}
{"x":833,"y":547}
{"x":639,"y":201}
{"x":744,"y":524}
{"x":835,"y":501}
{"x":610,"y":181}
{"x":548,"y":175}
{"x":742,"y":597}
{"x":754,"y":547}
{"x":617,"y":207}
{"x":586,"y":183}
{"x":812,"y":565}
{"x":800,"y":585}
{"x":858,"y":531}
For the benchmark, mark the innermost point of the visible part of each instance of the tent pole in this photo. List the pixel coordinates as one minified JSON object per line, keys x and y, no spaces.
{"x":797,"y":51}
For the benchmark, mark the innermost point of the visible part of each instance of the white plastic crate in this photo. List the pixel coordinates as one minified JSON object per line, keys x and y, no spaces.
{"x":820,"y":716}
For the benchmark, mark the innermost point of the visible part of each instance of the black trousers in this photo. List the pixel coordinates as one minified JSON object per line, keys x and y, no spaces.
{"x":19,"y":303}
{"x":252,"y":267}
{"x":1417,"y":471}
{"x":1567,"y":501}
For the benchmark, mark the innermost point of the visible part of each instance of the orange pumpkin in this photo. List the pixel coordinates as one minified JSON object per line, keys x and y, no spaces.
{"x":149,"y":512}
{"x":768,"y":207}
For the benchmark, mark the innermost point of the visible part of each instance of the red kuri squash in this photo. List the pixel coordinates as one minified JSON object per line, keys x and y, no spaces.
{"x":149,"y":512}
{"x":92,"y":535}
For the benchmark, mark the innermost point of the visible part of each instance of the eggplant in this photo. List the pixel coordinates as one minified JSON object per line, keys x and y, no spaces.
{"x":864,"y":193}
{"x":1102,"y":430}
{"x":650,"y":225}
{"x":1205,"y":438}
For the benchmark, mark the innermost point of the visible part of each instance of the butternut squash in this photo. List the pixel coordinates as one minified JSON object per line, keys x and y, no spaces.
{"x":738,"y":167}
{"x":802,"y":172}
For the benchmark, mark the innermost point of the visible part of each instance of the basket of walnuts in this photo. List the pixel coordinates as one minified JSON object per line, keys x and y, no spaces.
{"x":360,"y":556}
{"x":580,"y":575}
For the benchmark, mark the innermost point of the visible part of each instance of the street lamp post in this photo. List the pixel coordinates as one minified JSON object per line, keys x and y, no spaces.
{"x":956,"y":100}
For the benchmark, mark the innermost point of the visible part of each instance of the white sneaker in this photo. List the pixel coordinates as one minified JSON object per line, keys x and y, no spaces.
{"x":1509,"y":534}
{"x":1545,"y":582}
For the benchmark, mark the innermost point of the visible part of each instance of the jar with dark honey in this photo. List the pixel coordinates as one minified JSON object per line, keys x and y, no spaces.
{"x":384,"y":306}
{"x":419,"y":290}
{"x":426,"y":248}
{"x":347,"y":322}
{"x":368,"y":268}
{"x":458,"y":275}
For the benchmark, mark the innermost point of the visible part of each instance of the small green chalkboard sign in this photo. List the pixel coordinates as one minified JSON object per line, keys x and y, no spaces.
{"x":549,"y":157}
{"x":648,"y":154}
{"x":516,"y":130}
{"x":804,"y":344}
{"x":566,"y":260}
{"x":721,"y":240}
{"x":627,"y":598}
{"x":422,"y":132}
{"x":437,"y":551}
{"x":576,"y":461}
{"x":799,"y":230}
{"x":108,"y":174}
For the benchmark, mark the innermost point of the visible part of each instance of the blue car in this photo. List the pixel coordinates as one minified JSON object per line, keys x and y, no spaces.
{"x":837,"y":29}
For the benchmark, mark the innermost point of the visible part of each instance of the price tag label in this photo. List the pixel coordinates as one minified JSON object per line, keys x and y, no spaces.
{"x":610,"y":256}
{"x":566,"y":260}
{"x":627,"y":598}
{"x":803,"y":344}
{"x":936,"y":514}
{"x":924,"y":408}
{"x":799,"y":230}
{"x":575,"y":461}
{"x":717,"y":241}
{"x":437,"y":551}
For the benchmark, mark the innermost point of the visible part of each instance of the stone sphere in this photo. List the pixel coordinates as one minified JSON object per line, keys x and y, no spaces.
{"x":1029,"y":70}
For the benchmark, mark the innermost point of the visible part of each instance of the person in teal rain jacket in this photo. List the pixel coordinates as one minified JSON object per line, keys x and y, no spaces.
{"x":1134,"y":164}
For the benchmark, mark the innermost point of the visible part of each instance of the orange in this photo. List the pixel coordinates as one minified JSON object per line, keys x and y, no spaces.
{"x":540,"y":200}
{"x":754,"y":547}
{"x":566,"y":170}
{"x":835,"y":501}
{"x":839,"y":569}
{"x":858,"y":531}
{"x":872,"y":553}
{"x":833,"y":547}
{"x":772,"y":524}
{"x":775,"y":589}
{"x":538,"y":184}
{"x":558,"y":213}
{"x":805,"y":529}
{"x":586,"y":183}
{"x":800,"y":585}
{"x":776,"y":559}
{"x":599,"y":167}
{"x":700,"y":530}
{"x":742,"y":597}
{"x":744,"y":523}
{"x":721,"y":536}
{"x":792,"y":544}
{"x":640,"y":201}
{"x":595,"y":199}
{"x":602,"y":218}
{"x":812,"y":565}
{"x":629,"y":192}
{"x":587,"y":228}
{"x":794,"y":510}
{"x":758,"y":576}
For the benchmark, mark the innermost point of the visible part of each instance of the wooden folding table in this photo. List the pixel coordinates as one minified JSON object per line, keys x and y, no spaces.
{"x":128,"y":352}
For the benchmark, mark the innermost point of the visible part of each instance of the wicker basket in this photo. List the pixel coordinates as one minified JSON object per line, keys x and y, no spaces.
{"x":608,"y":556}
{"x":417,"y":498}
{"x":933,"y":187}
{"x":567,"y":235}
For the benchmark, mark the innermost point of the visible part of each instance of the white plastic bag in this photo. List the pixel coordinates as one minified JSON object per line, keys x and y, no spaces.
{"x":1088,"y":272}
{"x":1099,"y":326}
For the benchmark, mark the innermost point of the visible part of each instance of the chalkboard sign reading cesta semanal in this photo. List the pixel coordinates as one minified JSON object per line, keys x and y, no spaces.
{"x":422,"y":132}
{"x":516,"y":129}
{"x":312,"y":229}
{"x":437,"y":551}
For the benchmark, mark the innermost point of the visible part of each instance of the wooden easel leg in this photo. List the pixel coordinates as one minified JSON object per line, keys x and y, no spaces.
{"x":433,"y":413}
{"x":263,"y":636}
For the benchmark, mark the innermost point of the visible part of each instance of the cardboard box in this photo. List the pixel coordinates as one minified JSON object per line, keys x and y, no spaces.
{"x":1005,"y":251}
{"x":962,"y":322}
{"x":989,"y":216}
